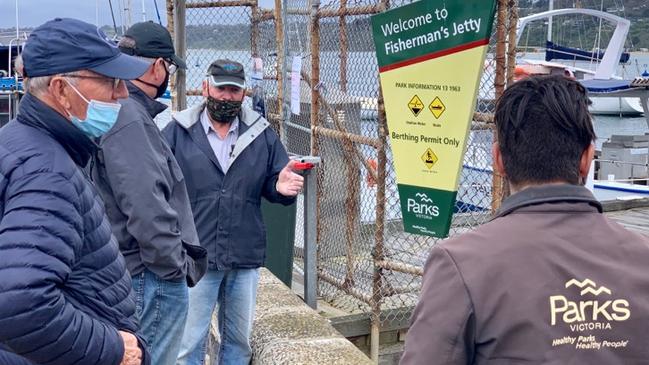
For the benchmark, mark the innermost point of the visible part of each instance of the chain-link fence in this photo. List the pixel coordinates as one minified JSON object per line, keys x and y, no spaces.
{"x":365,"y":259}
{"x":366,"y":262}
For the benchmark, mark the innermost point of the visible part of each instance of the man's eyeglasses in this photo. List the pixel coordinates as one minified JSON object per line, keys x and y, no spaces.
{"x":171,"y":66}
{"x":114,"y":82}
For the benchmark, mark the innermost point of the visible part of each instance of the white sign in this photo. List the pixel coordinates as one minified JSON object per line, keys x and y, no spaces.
{"x":257,"y":70}
{"x":295,"y":84}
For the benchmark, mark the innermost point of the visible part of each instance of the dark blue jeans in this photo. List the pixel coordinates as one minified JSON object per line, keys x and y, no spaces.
{"x":162,"y":309}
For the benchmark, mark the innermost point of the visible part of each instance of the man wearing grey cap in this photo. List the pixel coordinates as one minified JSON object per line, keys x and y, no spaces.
{"x":146,"y":198}
{"x":230,"y":159}
{"x":65,"y":293}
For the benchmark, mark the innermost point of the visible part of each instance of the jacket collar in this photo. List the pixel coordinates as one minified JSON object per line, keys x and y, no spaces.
{"x":251,"y":125}
{"x":548,"y":193}
{"x":152,"y":106}
{"x":35,"y":113}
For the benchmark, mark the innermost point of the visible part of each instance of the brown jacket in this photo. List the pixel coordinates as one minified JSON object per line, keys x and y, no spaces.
{"x":550,"y":280}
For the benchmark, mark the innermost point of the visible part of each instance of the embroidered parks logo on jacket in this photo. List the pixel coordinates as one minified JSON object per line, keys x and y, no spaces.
{"x":595,"y":310}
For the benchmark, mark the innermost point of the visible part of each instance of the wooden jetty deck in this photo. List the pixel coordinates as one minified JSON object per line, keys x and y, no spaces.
{"x":634,"y":215}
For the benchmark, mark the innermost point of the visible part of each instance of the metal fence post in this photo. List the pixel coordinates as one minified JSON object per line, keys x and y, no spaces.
{"x":310,"y":238}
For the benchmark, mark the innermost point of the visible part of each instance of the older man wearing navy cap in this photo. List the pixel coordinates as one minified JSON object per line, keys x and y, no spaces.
{"x":65,"y":296}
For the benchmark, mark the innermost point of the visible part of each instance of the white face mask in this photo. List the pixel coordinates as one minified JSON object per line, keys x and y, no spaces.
{"x":100,"y":117}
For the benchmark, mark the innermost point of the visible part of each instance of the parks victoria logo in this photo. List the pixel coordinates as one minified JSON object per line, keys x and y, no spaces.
{"x":425,"y":208}
{"x":596,"y":309}
{"x":426,"y":211}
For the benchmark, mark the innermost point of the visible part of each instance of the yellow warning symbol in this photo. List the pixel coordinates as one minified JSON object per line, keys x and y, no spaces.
{"x":430,"y":158}
{"x":437,"y":107}
{"x":415,"y":105}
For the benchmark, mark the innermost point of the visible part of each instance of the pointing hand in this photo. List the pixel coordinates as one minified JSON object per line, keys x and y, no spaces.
{"x":289,"y":183}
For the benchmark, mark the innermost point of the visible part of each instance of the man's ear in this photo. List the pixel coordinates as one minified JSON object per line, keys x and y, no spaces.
{"x":205,"y":88}
{"x":498,"y":159}
{"x":59,"y":92}
{"x":161,"y":69}
{"x":586,"y":159}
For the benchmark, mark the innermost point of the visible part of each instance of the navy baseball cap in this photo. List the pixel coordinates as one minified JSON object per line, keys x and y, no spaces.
{"x":66,"y":45}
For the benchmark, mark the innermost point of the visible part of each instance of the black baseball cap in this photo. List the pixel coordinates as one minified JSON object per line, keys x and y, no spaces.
{"x":66,"y":45}
{"x":152,"y":40}
{"x":227,"y":72}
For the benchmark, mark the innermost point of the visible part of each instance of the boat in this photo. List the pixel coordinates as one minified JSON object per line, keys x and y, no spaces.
{"x":11,"y":88}
{"x":597,"y":81}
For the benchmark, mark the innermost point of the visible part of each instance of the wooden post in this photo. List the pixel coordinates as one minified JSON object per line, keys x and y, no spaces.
{"x":351,"y":205}
{"x":181,"y":51}
{"x":378,"y":255}
{"x":315,"y":71}
{"x":501,"y":39}
{"x":511,"y":40}
{"x":498,"y":182}
{"x":343,"y":46}
{"x":280,"y":67}
{"x":170,"y":28}
{"x":254,"y":31}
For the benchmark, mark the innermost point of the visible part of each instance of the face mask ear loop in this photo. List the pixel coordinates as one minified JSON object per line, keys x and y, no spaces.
{"x":76,"y":91}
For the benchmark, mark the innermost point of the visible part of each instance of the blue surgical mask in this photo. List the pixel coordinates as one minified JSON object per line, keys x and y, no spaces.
{"x":100,"y":117}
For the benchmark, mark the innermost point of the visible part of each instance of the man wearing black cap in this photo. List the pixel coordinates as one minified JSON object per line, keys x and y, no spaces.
{"x":230,"y":159}
{"x":146,"y":198}
{"x":65,"y":296}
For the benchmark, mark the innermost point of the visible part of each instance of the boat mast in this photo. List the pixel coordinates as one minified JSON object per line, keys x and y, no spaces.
{"x":550,"y":22}
{"x":143,"y":12}
{"x":127,"y":14}
{"x":17,"y":30}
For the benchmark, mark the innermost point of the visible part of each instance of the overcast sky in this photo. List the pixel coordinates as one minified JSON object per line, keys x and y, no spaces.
{"x":35,"y":12}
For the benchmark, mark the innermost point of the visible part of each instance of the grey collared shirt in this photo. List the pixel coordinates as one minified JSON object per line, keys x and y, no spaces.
{"x":222,"y":147}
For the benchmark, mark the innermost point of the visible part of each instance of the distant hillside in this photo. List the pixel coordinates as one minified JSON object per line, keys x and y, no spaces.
{"x":580,"y":31}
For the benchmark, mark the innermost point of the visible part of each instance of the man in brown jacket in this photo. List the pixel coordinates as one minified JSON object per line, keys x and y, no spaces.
{"x":550,"y":280}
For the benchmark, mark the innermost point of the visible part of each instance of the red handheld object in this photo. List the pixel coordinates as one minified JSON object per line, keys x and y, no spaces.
{"x":302,"y":166}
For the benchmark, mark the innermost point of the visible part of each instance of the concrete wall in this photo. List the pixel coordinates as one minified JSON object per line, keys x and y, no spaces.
{"x":287,"y":331}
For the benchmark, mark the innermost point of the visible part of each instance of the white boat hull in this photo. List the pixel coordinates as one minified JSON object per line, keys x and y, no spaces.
{"x":615,"y":106}
{"x":613,"y":190}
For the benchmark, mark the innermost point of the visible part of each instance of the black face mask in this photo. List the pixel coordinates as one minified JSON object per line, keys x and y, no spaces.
{"x":223,"y":111}
{"x":160,"y":89}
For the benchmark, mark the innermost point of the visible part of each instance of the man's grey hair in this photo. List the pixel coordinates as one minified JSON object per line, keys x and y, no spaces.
{"x":18,"y":65}
{"x":37,"y":86}
{"x":128,"y":43}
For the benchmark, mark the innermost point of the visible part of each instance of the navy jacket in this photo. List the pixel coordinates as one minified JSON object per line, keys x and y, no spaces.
{"x":227,"y":207}
{"x":65,"y":290}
